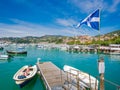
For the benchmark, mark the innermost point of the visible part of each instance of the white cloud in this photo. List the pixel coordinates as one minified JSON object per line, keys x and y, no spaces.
{"x":22,"y":28}
{"x":87,"y":6}
{"x":66,"y":22}
{"x":71,"y":32}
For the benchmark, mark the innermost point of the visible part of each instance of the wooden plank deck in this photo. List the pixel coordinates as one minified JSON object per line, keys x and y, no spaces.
{"x":51,"y":74}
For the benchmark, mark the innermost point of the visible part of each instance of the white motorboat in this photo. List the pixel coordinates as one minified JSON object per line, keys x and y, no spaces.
{"x":86,"y":80}
{"x":3,"y":57}
{"x":114,"y":49}
{"x":25,"y":74}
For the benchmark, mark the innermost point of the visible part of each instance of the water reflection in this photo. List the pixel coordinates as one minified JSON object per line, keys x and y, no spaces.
{"x":18,"y":56}
{"x":12,"y":57}
{"x":6,"y":60}
{"x":114,"y":57}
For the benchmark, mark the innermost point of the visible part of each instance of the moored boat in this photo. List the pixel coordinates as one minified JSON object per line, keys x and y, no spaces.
{"x":16,"y":52}
{"x":114,"y":49}
{"x":86,"y":80}
{"x":3,"y":56}
{"x":25,"y":74}
{"x":40,"y":46}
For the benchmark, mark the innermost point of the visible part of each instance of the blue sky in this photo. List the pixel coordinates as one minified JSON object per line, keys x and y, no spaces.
{"x":19,"y":18}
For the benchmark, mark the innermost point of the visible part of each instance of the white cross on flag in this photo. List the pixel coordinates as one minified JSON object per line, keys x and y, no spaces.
{"x":92,"y":20}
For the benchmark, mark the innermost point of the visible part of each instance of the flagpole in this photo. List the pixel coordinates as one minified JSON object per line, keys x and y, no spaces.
{"x":101,"y":74}
{"x":99,"y":34}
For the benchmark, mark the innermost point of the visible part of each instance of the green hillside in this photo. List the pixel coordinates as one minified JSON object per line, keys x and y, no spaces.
{"x":117,"y":32}
{"x":32,"y":39}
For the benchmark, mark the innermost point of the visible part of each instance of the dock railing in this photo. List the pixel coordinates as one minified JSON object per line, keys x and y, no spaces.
{"x":111,"y":83}
{"x":69,"y":78}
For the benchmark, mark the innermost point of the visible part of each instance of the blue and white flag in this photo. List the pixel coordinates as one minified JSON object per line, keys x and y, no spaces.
{"x":92,"y":20}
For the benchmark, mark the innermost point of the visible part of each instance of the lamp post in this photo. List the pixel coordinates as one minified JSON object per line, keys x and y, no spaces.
{"x":101,"y":67}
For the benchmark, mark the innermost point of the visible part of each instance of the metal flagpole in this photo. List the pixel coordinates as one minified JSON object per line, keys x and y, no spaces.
{"x":100,"y":62}
{"x":99,"y":35}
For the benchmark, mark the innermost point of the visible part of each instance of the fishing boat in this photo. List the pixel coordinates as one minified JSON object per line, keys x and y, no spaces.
{"x":16,"y":52}
{"x":25,"y":74}
{"x":86,"y":80}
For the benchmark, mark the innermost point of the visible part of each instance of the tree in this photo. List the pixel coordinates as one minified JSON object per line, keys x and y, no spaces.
{"x":60,"y":40}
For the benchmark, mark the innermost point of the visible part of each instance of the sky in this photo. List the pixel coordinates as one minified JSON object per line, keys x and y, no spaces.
{"x":20,"y":18}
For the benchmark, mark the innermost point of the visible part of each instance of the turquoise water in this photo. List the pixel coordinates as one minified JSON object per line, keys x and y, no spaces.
{"x":84,"y":61}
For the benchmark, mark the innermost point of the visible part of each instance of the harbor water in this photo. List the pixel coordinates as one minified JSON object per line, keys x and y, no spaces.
{"x":87,"y":62}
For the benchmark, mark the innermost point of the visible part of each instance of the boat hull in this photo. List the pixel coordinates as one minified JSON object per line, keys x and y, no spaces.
{"x":23,"y":83}
{"x":16,"y":52}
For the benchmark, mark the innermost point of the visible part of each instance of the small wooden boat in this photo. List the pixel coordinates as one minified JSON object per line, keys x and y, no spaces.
{"x":86,"y":80}
{"x":25,"y":74}
{"x":4,"y":57}
{"x":16,"y":52}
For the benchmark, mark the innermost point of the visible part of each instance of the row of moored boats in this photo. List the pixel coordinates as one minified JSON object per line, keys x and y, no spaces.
{"x":4,"y":56}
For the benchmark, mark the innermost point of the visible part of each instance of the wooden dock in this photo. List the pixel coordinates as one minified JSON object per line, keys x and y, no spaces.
{"x":52,"y":76}
{"x":56,"y":79}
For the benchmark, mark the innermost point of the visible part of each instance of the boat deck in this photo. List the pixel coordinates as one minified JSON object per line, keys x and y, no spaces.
{"x":52,"y":76}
